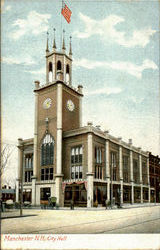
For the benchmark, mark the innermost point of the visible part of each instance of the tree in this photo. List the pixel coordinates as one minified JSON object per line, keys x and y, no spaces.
{"x":6,"y":152}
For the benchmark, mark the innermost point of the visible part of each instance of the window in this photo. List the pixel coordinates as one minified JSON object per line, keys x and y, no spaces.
{"x":47,"y":149}
{"x":136,"y":176}
{"x":98,"y":155}
{"x":29,"y":161}
{"x":114,"y":166}
{"x":46,"y":174}
{"x":76,"y":163}
{"x":50,"y":72}
{"x":59,"y":66}
{"x":76,"y":172}
{"x":28,"y":175}
{"x":76,"y":155}
{"x":67,"y":73}
{"x":126,"y":169}
{"x":151,"y":169}
{"x":45,"y":193}
{"x":98,"y":172}
{"x":144,"y":173}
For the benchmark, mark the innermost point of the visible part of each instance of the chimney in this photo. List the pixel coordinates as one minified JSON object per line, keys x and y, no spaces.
{"x":90,"y":123}
{"x":98,"y":127}
{"x":106,"y":131}
{"x":80,"y":88}
{"x":130,"y":141}
{"x":37,"y":83}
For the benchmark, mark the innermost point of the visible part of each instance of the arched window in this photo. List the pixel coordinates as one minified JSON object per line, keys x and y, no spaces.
{"x":50,"y":66}
{"x":50,"y":72}
{"x":47,"y":150}
{"x":67,"y":69}
{"x":59,"y":66}
{"x":67,"y":73}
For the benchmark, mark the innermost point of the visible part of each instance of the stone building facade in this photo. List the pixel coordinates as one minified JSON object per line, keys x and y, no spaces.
{"x":154,"y":172}
{"x":73,"y":162}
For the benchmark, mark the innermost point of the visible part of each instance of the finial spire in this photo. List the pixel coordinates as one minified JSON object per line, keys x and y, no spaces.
{"x":47,"y":49}
{"x":63,"y":44}
{"x":54,"y":40}
{"x":70,"y":47}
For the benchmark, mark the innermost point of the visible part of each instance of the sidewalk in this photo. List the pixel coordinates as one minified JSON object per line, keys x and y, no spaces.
{"x":14,"y":213}
{"x":135,"y":205}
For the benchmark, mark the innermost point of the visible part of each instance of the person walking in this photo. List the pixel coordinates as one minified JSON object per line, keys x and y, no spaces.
{"x":72,"y":204}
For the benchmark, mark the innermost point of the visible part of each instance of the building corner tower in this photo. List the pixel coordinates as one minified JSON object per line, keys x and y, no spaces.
{"x":57,"y":109}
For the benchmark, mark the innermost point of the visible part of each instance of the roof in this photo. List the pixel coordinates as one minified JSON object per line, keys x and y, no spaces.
{"x":97,"y":132}
{"x":104,"y":135}
{"x":55,"y":83}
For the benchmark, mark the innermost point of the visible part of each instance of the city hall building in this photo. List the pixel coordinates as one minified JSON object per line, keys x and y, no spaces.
{"x":73,"y":162}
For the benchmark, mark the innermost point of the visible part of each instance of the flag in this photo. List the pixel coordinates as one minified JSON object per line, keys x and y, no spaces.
{"x":66,"y":12}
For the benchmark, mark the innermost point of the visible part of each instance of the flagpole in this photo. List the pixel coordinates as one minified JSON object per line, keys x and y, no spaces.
{"x":61,"y":26}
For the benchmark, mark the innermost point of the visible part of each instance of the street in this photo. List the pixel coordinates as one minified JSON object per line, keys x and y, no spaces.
{"x":83,"y":221}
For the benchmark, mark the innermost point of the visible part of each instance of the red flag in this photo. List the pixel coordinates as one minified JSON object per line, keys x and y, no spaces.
{"x":66,"y":12}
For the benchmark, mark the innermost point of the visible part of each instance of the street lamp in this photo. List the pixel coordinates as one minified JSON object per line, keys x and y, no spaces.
{"x":111,"y":186}
{"x":21,"y":196}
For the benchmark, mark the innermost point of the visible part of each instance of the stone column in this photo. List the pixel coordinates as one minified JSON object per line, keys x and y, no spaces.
{"x":47,"y":70}
{"x":33,"y":190}
{"x":80,"y":87}
{"x":149,"y":194}
{"x":58,"y":176}
{"x":70,"y":74}
{"x":148,"y":170}
{"x":140,"y":176}
{"x":149,"y":190}
{"x":54,"y":67}
{"x":90,"y":171}
{"x":20,"y":166}
{"x":140,"y":168}
{"x":107,"y":169}
{"x":64,"y":69}
{"x":35,"y":149}
{"x":121,"y":174}
{"x":131,"y":176}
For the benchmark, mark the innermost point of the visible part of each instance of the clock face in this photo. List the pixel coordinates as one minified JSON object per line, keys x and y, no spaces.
{"x":70,"y":105}
{"x":47,"y":103}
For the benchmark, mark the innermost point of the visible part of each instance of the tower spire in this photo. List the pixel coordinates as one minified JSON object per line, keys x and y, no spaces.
{"x":70,"y":47}
{"x":54,"y":41}
{"x":63,"y":44}
{"x":47,"y":49}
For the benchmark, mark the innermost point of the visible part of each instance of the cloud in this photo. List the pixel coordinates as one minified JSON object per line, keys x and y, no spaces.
{"x":106,"y":29}
{"x":126,"y":67}
{"x":103,"y":91}
{"x":137,"y":100}
{"x":23,"y":60}
{"x":41,"y":71}
{"x":34,"y":24}
{"x":7,"y":8}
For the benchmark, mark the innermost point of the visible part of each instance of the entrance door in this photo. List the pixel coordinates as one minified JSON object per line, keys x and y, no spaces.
{"x":45,"y":194}
{"x":77,"y":193}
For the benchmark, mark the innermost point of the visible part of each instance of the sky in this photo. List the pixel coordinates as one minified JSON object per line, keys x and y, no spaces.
{"x":115,"y":48}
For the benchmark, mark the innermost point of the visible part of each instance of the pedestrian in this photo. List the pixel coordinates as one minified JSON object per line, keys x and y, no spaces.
{"x":72,"y":205}
{"x":1,"y":205}
{"x":106,"y":203}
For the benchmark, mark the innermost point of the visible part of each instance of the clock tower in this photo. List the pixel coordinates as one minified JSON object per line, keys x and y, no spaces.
{"x":58,"y":108}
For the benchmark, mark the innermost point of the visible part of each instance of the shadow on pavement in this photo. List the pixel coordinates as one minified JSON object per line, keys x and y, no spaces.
{"x":17,"y":216}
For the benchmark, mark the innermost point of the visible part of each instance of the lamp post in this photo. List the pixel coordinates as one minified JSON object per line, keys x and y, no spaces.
{"x":111,"y":184}
{"x":21,"y":196}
